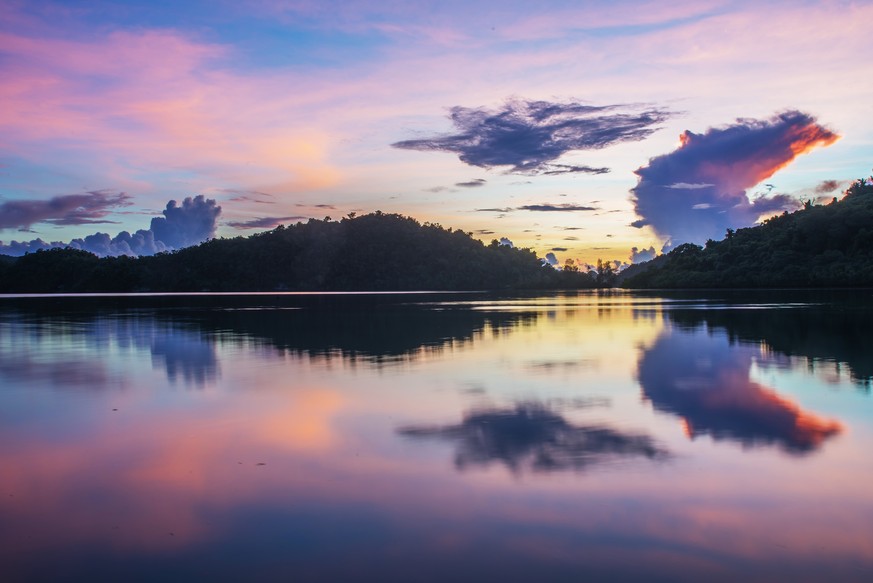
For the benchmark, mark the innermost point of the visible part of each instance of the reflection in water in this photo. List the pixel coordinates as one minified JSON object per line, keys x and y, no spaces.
{"x":834,"y":332}
{"x":308,"y":478}
{"x":186,"y":356}
{"x":706,"y":380}
{"x":66,"y":352}
{"x":532,"y":438}
{"x":377,"y":329}
{"x":21,"y":368}
{"x":373,"y":333}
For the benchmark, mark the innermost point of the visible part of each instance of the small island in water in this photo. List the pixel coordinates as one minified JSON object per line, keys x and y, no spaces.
{"x":821,"y":245}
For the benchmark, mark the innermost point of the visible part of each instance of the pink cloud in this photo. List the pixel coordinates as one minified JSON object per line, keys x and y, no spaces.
{"x":67,"y":209}
{"x":147,"y":110}
{"x":160,"y":102}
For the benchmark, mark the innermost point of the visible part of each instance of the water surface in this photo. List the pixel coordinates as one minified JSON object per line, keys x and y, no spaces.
{"x":427,"y":437}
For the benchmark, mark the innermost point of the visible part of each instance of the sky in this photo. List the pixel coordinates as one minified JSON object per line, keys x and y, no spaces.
{"x":583,"y":129}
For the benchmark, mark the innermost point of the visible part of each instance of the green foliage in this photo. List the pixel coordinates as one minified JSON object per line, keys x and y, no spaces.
{"x":818,"y":246}
{"x":374,"y":252}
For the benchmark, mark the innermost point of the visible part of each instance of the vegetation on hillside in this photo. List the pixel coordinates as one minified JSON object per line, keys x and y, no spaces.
{"x":827,"y":245}
{"x":373,"y":252}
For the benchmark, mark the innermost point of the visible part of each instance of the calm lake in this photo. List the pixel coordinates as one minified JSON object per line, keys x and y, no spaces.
{"x":609,"y":436}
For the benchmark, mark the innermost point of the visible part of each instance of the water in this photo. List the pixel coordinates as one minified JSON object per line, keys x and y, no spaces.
{"x":427,"y":437}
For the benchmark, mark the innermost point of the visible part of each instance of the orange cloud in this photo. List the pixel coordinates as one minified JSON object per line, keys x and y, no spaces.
{"x":721,"y":164}
{"x":708,"y":385}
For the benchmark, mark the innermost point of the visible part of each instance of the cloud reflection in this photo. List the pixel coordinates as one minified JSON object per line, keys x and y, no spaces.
{"x":835,"y":333}
{"x":84,"y":374}
{"x":185,"y":356}
{"x":531,"y":438}
{"x":706,"y":380}
{"x":55,"y":349}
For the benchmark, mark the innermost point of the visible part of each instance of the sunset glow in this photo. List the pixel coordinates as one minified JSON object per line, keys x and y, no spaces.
{"x":283,"y":111}
{"x":539,"y":423}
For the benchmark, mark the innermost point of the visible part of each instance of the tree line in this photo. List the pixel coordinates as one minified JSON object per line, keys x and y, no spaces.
{"x":820,"y":245}
{"x":373,"y":252}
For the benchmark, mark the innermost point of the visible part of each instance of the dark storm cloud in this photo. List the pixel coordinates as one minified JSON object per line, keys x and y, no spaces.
{"x":264,"y":222}
{"x":565,"y":207}
{"x":699,"y":190}
{"x":527,"y":136}
{"x":68,"y":209}
{"x":181,"y":226}
{"x":558,"y":249}
{"x":531,"y":437}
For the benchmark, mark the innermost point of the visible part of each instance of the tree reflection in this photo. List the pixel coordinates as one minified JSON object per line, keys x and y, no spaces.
{"x":372,"y":328}
{"x":530,"y":437}
{"x":378,"y":333}
{"x":706,"y":380}
{"x":827,"y":325}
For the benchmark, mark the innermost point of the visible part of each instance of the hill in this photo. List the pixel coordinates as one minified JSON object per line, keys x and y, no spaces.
{"x":818,"y":246}
{"x":372,"y":252}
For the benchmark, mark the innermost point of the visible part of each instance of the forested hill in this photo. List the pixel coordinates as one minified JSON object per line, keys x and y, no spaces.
{"x":372,"y":252}
{"x":827,"y":245}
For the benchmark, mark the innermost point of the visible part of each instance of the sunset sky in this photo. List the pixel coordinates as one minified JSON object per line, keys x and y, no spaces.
{"x":578,"y":128}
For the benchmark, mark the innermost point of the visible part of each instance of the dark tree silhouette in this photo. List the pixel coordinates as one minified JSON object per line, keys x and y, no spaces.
{"x":373,"y":252}
{"x":818,"y":246}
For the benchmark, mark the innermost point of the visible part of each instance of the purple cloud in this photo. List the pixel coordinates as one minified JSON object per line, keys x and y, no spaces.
{"x":475,"y":183}
{"x":529,"y":135}
{"x":639,"y":256}
{"x":826,"y":186}
{"x":565,"y":207}
{"x":181,"y":226}
{"x":87,"y":208}
{"x":255,"y":196}
{"x":699,"y":190}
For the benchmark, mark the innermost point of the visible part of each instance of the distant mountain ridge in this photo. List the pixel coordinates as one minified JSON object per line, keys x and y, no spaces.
{"x":827,"y":245}
{"x":373,"y":252}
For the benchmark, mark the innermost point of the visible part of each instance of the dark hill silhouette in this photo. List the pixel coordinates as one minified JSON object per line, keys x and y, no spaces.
{"x":818,"y":246}
{"x":373,"y":252}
